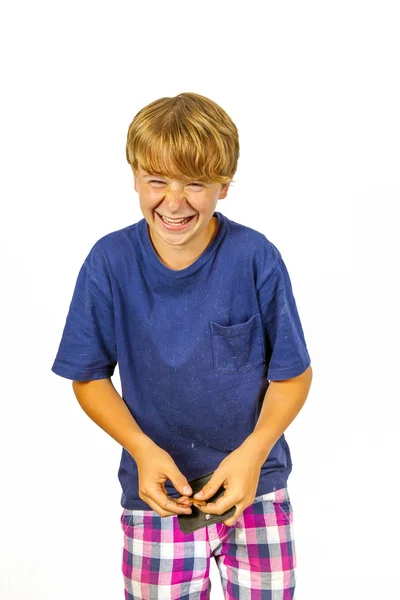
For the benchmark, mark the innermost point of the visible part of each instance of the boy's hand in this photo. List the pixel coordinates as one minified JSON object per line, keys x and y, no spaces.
{"x":155,"y":467}
{"x":239,"y":474}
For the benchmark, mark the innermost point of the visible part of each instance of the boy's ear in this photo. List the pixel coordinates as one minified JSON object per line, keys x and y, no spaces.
{"x":134,"y":180}
{"x":224,"y":190}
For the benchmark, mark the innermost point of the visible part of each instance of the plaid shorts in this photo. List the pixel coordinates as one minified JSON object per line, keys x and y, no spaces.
{"x":255,"y":556}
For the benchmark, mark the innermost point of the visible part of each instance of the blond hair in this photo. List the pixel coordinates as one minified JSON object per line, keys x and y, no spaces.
{"x":188,"y":136}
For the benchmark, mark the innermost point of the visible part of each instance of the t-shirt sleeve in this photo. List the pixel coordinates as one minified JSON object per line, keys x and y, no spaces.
{"x":87,"y":350}
{"x":286,"y":349}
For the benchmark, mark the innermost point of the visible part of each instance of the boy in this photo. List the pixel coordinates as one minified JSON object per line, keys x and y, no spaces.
{"x":198,"y":312}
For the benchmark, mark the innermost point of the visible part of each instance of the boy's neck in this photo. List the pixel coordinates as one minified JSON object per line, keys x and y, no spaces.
{"x":183,"y":258}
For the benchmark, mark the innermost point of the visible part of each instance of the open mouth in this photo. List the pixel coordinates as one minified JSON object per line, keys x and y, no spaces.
{"x":175,"y":224}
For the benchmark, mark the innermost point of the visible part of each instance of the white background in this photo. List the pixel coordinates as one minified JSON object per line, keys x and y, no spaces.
{"x":313,"y":88}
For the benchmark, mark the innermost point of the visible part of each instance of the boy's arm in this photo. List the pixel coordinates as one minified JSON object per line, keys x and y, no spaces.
{"x":283,"y":401}
{"x":239,"y":472}
{"x":102,"y":403}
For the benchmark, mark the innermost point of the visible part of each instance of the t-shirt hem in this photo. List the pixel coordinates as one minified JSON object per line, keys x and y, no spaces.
{"x":81,"y":375}
{"x":268,"y":483}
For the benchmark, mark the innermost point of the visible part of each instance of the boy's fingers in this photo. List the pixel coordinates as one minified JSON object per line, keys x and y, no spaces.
{"x":167,"y":504}
{"x":154,"y":506}
{"x":217,"y":508}
{"x":211,"y":487}
{"x":179,"y":482}
{"x":188,"y":501}
{"x":197,"y":502}
{"x":183,"y":500}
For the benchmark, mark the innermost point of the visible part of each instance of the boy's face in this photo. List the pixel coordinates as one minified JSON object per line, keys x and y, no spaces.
{"x":175,"y":199}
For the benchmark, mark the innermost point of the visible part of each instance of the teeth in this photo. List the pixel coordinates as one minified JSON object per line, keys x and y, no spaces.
{"x":175,"y":221}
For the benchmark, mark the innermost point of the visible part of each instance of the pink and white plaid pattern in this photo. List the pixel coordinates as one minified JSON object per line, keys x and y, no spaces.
{"x":256,"y":556}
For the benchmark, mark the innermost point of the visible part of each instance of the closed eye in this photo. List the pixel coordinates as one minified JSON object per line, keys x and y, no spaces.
{"x":157,"y":181}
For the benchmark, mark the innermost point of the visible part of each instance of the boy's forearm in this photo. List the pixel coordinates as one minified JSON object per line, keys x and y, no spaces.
{"x":282,"y":403}
{"x":103,"y":404}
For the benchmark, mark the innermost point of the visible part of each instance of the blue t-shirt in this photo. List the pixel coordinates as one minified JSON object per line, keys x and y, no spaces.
{"x":196,"y":348}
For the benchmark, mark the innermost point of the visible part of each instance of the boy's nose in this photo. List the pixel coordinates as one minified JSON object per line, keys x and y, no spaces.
{"x":175,"y":201}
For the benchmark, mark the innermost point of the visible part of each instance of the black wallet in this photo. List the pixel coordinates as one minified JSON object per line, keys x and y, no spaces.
{"x":197,"y":519}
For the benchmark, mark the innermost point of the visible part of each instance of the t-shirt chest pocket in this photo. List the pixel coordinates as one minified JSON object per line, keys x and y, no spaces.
{"x":238,"y":348}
